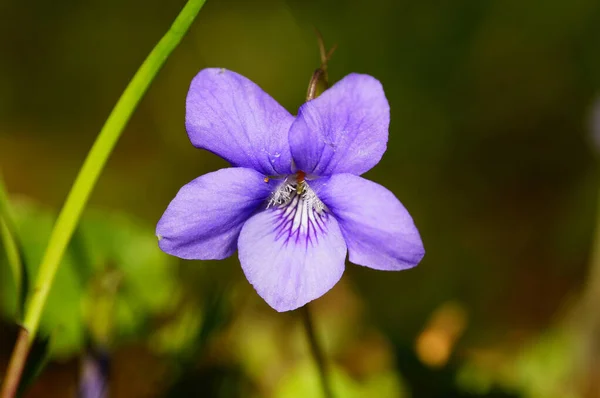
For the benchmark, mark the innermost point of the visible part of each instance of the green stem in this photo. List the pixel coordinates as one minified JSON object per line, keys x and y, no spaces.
{"x":13,"y":257}
{"x":97,"y":157}
{"x":93,"y":165}
{"x":8,"y":234}
{"x":317,"y":352}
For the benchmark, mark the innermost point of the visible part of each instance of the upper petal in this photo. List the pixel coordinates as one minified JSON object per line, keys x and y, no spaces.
{"x":205,"y":218}
{"x":231,"y":116}
{"x":292,"y":254}
{"x":345,"y":130}
{"x":378,"y":230}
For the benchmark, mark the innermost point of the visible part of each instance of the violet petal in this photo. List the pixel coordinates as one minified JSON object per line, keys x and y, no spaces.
{"x":379,"y":231}
{"x":289,"y":261}
{"x":345,"y":130}
{"x":232,"y":117}
{"x":206,"y":216}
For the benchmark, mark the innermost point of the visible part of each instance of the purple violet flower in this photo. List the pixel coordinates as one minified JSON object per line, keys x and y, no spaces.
{"x":293,"y":202}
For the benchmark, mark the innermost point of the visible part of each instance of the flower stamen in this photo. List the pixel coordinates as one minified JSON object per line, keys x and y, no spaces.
{"x":300,"y":175}
{"x":299,"y":211}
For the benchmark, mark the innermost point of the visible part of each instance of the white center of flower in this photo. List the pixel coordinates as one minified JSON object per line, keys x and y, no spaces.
{"x":299,"y":212}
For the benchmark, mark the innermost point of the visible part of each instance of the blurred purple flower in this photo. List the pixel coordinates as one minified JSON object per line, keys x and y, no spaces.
{"x":293,"y":203}
{"x":93,"y":381}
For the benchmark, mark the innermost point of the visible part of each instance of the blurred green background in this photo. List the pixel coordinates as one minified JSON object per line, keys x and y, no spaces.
{"x":491,"y":149}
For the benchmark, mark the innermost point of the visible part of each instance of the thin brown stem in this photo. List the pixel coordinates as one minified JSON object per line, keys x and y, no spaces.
{"x":313,"y":86}
{"x":322,"y":49}
{"x":16,"y":365}
{"x":317,"y":351}
{"x":325,"y":57}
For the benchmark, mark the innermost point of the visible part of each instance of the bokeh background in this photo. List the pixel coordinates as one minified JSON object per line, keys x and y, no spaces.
{"x":493,"y":149}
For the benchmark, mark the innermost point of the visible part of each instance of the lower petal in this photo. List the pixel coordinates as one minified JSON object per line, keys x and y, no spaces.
{"x":292,"y":254}
{"x":379,"y":231}
{"x":206,"y":216}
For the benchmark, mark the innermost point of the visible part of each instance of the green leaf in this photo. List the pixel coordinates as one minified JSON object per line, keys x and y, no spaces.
{"x":126,"y":262}
{"x":304,"y":381}
{"x":14,"y":252}
{"x":112,"y":281}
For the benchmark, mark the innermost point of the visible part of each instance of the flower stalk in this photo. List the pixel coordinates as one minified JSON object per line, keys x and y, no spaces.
{"x":85,"y":182}
{"x":316,"y":350}
{"x":319,"y":77}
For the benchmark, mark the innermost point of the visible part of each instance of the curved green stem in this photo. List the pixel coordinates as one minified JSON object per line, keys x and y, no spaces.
{"x":8,"y":234}
{"x":13,"y":257}
{"x":89,"y":173}
{"x":96,"y":159}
